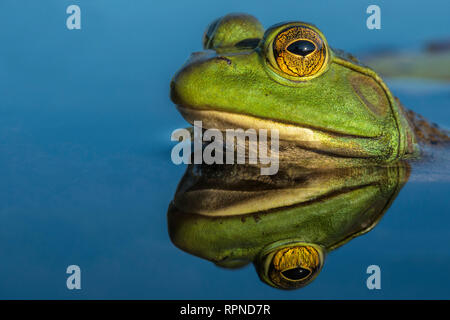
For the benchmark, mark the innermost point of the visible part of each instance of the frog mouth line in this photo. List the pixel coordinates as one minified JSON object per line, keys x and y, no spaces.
{"x":263,"y":203}
{"x":314,"y":139}
{"x":226,"y":120}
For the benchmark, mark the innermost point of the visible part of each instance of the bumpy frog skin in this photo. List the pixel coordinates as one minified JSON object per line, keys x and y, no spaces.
{"x":288,"y":78}
{"x":285,"y":224}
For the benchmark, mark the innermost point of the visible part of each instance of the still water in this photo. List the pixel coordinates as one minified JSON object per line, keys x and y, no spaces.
{"x":86,"y":175}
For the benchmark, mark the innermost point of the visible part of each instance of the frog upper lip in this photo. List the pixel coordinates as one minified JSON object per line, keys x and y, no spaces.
{"x":183,"y":108}
{"x":235,"y":201}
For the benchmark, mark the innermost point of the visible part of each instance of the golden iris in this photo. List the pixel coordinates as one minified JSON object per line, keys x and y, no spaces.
{"x":299,"y":51}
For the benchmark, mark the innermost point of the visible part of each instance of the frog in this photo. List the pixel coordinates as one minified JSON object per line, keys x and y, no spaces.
{"x":285,"y":225}
{"x":329,"y":109}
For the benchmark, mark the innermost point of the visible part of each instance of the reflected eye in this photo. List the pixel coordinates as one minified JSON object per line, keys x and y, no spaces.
{"x":294,"y":266}
{"x":299,"y":51}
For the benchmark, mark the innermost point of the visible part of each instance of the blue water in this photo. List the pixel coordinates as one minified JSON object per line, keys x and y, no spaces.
{"x":85,"y":169}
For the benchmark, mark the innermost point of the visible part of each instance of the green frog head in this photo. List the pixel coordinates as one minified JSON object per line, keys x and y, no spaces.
{"x":284,"y":224}
{"x":288,"y":78}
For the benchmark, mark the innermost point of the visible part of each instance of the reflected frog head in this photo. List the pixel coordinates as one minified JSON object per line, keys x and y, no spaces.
{"x":286,"y":224}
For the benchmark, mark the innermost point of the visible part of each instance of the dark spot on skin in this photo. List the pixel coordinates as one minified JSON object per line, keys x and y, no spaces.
{"x":243,"y":219}
{"x":256,"y":217}
{"x":224,"y":59}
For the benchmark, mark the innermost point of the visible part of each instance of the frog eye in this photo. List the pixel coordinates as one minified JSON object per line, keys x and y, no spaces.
{"x":298,"y":51}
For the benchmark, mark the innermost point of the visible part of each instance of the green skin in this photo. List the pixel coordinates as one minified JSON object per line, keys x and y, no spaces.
{"x":345,"y":112}
{"x":341,"y":205}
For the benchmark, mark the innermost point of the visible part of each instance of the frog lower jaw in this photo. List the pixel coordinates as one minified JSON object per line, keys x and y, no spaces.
{"x":335,"y":144}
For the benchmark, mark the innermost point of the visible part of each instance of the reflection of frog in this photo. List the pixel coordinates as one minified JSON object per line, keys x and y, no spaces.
{"x":284,"y":224}
{"x":325,"y":105}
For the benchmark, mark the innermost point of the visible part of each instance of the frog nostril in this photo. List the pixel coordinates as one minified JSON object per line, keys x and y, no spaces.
{"x":224,"y":59}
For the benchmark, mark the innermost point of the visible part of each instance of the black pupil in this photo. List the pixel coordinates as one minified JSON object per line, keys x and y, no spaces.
{"x":296,"y":273}
{"x":301,"y":47}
